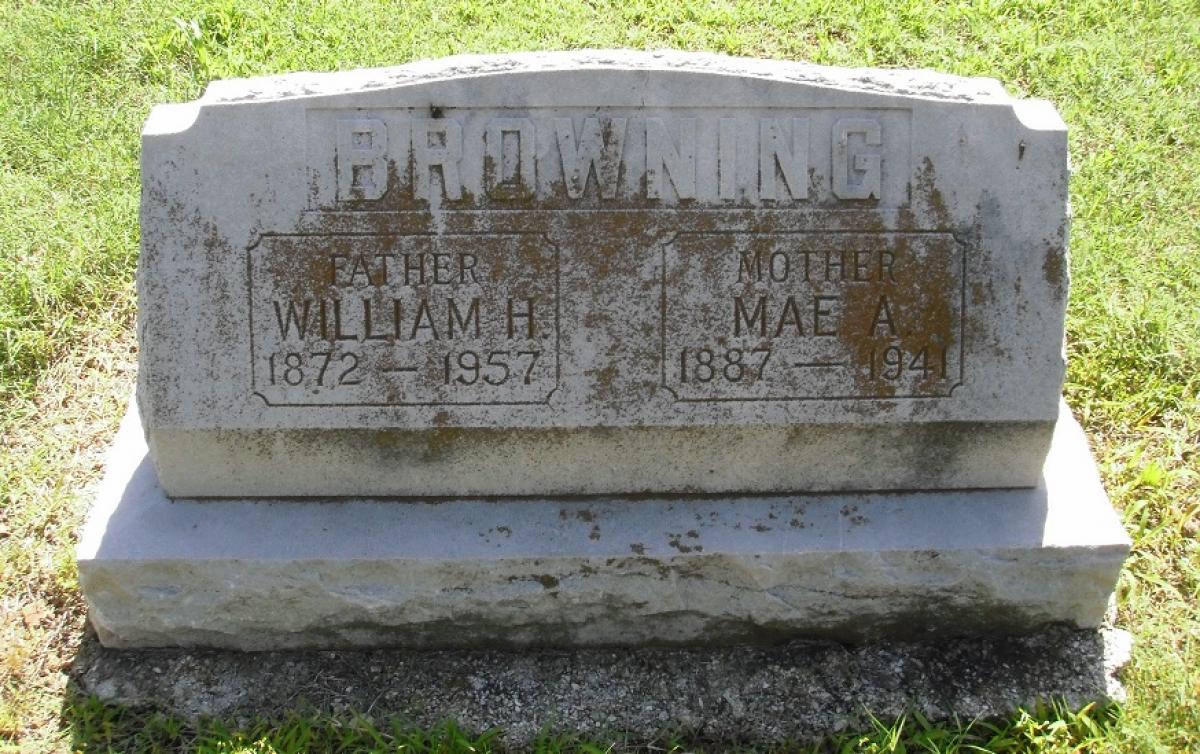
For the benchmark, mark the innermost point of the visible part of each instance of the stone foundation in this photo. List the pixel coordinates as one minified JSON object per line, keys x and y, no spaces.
{"x":595,"y":571}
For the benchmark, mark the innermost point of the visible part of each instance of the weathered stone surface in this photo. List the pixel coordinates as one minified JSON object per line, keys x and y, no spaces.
{"x":601,"y":272}
{"x":796,"y":691}
{"x":269,"y":574}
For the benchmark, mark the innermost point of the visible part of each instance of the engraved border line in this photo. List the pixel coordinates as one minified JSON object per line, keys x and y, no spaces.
{"x":250,"y":312}
{"x":962,"y":323}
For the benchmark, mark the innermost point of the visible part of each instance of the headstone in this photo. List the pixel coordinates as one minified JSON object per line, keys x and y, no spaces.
{"x":601,"y":273}
{"x":512,"y":281}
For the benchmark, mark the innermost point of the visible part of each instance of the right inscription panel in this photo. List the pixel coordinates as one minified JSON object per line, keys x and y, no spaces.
{"x":812,"y":316}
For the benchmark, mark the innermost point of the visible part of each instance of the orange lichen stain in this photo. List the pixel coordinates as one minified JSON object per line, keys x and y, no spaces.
{"x":606,"y":379}
{"x":1055,"y":269}
{"x":914,"y":313}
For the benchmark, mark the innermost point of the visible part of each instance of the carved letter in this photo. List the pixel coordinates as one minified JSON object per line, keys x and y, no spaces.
{"x":513,"y":316}
{"x":359,"y":159}
{"x":436,"y":142}
{"x":497,"y":181}
{"x":792,"y":161}
{"x":598,"y":149}
{"x":863,"y":168}
{"x":790,"y":316}
{"x":294,"y":317}
{"x":423,"y":321}
{"x":757,"y":317}
{"x":661,"y":156}
{"x":750,"y":265}
{"x":454,"y":316}
{"x":883,"y":316}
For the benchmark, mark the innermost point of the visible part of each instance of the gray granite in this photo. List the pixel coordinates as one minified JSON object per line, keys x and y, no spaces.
{"x":599,"y":349}
{"x":601,"y":273}
{"x":595,"y":571}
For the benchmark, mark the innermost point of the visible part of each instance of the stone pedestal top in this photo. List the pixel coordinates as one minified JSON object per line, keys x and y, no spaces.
{"x":273,"y":574}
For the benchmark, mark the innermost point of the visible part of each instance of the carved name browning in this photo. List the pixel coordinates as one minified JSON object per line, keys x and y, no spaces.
{"x":768,"y":157}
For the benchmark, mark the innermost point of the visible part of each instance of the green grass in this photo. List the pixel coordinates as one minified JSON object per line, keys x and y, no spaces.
{"x":76,"y":82}
{"x":102,"y":728}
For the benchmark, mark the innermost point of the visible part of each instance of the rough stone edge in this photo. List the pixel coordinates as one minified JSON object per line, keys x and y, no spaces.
{"x":153,"y":587}
{"x":802,"y":691}
{"x":920,"y":83}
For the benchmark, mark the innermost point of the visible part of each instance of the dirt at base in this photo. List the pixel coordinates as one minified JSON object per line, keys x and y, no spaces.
{"x":798,"y":691}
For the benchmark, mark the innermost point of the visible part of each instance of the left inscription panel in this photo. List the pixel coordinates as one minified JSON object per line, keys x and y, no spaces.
{"x":403,"y":319}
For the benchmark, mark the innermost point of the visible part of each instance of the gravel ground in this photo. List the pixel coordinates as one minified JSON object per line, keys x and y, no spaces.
{"x":795,"y":691}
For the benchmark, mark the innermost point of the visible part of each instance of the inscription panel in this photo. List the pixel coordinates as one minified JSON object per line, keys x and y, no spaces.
{"x":795,"y":316}
{"x":404,"y":319}
{"x":740,"y":277}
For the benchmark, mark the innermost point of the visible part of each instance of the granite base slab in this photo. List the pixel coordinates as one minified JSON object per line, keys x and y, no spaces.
{"x":305,"y":573}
